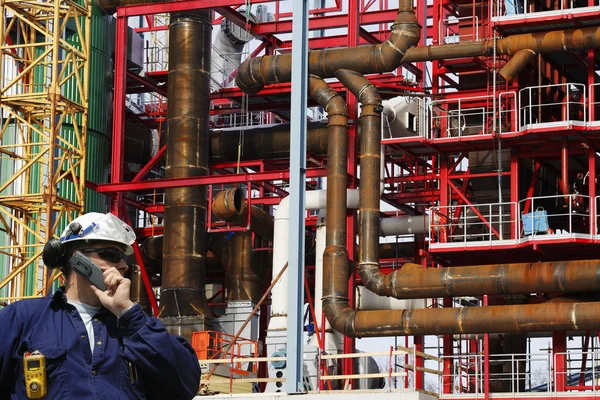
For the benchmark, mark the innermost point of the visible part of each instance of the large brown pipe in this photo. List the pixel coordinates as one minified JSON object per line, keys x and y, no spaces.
{"x":229,"y":205}
{"x":152,"y":254}
{"x":413,"y":281}
{"x":138,"y":290}
{"x":254,"y":73}
{"x":245,"y":274}
{"x":492,"y":319}
{"x":538,"y":42}
{"x":370,"y":164}
{"x":185,"y":238}
{"x":264,"y":143}
{"x":335,"y":256}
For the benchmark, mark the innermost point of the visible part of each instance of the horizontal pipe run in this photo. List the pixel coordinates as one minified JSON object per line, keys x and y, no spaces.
{"x":538,"y":42}
{"x":546,"y":317}
{"x":270,"y":143}
{"x":413,"y":281}
{"x":254,"y":73}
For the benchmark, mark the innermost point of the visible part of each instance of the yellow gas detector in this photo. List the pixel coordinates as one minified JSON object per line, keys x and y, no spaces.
{"x":35,"y":375}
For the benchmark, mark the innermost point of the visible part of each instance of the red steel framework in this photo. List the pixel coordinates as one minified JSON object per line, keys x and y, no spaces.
{"x":431,"y":175}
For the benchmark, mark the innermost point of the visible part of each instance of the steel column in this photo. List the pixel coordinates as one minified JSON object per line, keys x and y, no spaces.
{"x":514,"y":194}
{"x":297,"y":193}
{"x":352,"y":103}
{"x":118,"y":138}
{"x":592,"y":190}
{"x":559,"y":345}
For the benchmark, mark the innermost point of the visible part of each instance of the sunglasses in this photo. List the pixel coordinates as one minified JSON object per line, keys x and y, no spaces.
{"x":109,"y":254}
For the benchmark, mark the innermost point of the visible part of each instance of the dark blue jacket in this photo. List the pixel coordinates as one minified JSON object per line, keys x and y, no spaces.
{"x":134,"y":356}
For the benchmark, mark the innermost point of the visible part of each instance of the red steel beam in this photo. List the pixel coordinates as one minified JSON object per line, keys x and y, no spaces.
{"x":205,"y":180}
{"x":532,"y":185}
{"x":144,"y":171}
{"x":147,"y":84}
{"x":327,"y":22}
{"x":475,"y":210}
{"x":177,"y":6}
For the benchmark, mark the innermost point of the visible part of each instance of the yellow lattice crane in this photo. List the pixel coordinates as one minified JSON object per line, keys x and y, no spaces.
{"x":44,"y":73}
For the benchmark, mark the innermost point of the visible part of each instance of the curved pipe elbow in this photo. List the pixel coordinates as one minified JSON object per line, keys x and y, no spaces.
{"x":373,"y":279}
{"x":327,"y":98}
{"x":516,"y":64}
{"x":360,"y":87}
{"x":247,"y":76}
{"x":340,"y":315}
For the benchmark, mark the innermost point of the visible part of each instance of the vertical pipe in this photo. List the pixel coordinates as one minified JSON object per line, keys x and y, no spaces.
{"x":370,"y":154}
{"x":245,"y":276}
{"x":294,"y":382}
{"x":185,"y":238}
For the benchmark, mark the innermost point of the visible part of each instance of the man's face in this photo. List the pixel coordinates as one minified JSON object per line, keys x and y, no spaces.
{"x":106,"y":255}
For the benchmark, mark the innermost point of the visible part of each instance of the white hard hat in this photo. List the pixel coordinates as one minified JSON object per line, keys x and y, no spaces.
{"x":97,"y":226}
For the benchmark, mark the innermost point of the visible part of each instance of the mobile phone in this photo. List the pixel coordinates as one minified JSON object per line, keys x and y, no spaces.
{"x":84,"y":266}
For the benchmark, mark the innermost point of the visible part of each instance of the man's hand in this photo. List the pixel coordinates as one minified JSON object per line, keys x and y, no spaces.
{"x":116,"y":297}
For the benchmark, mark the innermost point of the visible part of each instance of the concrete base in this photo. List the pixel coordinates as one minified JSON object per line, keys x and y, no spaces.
{"x":338,"y":395}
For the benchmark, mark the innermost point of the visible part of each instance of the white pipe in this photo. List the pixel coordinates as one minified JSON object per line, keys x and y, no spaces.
{"x":317,"y":200}
{"x":404,"y":225}
{"x":334,"y":341}
{"x":367,"y":300}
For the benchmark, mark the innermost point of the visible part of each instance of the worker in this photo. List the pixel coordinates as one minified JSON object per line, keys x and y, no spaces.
{"x":95,"y":344}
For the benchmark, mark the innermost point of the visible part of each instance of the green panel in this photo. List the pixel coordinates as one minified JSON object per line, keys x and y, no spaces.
{"x":97,"y":170}
{"x":100,"y":93}
{"x":101,"y":30}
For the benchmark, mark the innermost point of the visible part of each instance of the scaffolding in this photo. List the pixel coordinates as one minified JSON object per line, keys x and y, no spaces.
{"x":44,"y":101}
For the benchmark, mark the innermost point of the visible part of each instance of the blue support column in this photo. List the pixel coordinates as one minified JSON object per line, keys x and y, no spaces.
{"x":297,"y":196}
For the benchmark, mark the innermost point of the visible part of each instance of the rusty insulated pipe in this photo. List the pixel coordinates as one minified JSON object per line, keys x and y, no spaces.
{"x":185,"y":236}
{"x":492,"y":319}
{"x":245,"y":274}
{"x":516,"y":64}
{"x":229,"y":205}
{"x":413,"y":281}
{"x":370,"y":164}
{"x":138,"y":290}
{"x":267,"y":143}
{"x":538,"y":42}
{"x":152,"y":254}
{"x":254,"y":73}
{"x":336,"y":266}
